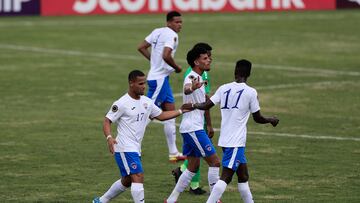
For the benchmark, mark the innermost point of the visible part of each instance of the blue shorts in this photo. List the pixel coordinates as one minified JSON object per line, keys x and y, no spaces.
{"x":128,"y":163}
{"x":160,"y":91}
{"x":233,"y":157}
{"x":197,"y":144}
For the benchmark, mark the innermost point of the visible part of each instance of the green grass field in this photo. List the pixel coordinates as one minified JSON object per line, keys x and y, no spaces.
{"x":59,"y":76}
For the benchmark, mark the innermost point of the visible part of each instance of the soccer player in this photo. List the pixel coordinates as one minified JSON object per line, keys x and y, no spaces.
{"x":195,"y":181}
{"x":164,"y":42}
{"x":130,"y":114}
{"x":237,"y":100}
{"x":196,"y":142}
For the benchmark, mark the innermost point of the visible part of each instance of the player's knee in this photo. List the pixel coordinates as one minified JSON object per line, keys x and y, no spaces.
{"x":242,"y":178}
{"x":226,"y":179}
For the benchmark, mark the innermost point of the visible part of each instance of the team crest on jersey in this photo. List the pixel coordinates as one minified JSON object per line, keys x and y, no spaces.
{"x":133,"y":165}
{"x":191,"y":77}
{"x":114,"y":108}
{"x":208,"y":148}
{"x":145,"y":105}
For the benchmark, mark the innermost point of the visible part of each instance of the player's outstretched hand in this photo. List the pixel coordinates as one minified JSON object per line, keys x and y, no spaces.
{"x":274,"y":121}
{"x":111,"y":142}
{"x":186,"y":107}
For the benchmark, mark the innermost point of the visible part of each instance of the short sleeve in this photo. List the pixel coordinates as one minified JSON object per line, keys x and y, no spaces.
{"x":149,"y":38}
{"x":254,"y":102}
{"x":155,"y":111}
{"x":216,"y":97}
{"x":170,"y":41}
{"x":115,"y":112}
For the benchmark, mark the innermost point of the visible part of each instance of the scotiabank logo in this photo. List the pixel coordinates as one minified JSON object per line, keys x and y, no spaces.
{"x":111,"y":6}
{"x":80,"y":7}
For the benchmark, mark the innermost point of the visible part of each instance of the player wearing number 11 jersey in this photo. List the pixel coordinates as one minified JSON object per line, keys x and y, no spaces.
{"x":237,"y":100}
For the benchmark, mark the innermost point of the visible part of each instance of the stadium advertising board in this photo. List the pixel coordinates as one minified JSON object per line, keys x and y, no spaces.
{"x":348,"y":4}
{"x":19,"y":7}
{"x":88,"y":7}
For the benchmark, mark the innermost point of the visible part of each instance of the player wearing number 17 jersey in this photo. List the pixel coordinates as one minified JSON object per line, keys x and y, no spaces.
{"x":237,"y":100}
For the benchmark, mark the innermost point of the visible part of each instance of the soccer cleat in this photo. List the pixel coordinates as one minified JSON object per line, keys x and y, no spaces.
{"x":197,"y":191}
{"x":176,"y":157}
{"x":176,"y":173}
{"x":96,"y":200}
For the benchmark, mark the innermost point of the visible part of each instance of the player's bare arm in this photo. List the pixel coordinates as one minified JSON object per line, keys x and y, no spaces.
{"x":191,"y":87}
{"x":107,"y":133}
{"x":209,"y":128}
{"x":143,"y":48}
{"x":258,"y":118}
{"x":166,"y":115}
{"x":170,"y":60}
{"x":203,"y":106}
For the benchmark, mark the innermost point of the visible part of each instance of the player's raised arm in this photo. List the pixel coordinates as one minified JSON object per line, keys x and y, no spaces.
{"x":166,"y":115}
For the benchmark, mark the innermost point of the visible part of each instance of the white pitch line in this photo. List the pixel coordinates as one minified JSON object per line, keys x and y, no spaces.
{"x":133,"y":57}
{"x":316,"y":137}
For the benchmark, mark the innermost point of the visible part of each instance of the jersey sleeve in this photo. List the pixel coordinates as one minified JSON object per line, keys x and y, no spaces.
{"x":188,"y":70}
{"x":115,"y":112}
{"x":155,"y":111}
{"x":169,"y":40}
{"x":254,"y":102}
{"x":216,"y":98}
{"x":149,"y":38}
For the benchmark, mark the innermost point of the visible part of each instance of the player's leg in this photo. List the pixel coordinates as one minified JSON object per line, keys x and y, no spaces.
{"x":137,"y":187}
{"x":184,"y":179}
{"x":195,"y":184}
{"x":160,"y":92}
{"x":220,"y":186}
{"x":243,"y":184}
{"x":207,"y":150}
{"x":132,"y":166}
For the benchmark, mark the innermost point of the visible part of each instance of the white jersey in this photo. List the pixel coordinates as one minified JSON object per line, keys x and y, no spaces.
{"x":131,"y":117}
{"x":160,"y":38}
{"x":237,"y":101}
{"x":193,"y":120}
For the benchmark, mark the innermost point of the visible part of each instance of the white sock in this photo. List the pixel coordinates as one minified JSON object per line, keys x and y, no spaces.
{"x":245,"y":192}
{"x":182,"y":183}
{"x":137,"y":192}
{"x":213,"y":176}
{"x":217,"y":191}
{"x":170,"y":134}
{"x":115,"y":189}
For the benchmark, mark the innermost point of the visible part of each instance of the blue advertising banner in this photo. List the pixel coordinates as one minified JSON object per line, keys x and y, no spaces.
{"x":19,"y":7}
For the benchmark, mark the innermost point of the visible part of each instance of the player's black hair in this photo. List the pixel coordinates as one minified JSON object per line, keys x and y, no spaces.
{"x":194,"y":54}
{"x":134,"y":74}
{"x":243,"y":68}
{"x":171,"y":15}
{"x":203,"y":45}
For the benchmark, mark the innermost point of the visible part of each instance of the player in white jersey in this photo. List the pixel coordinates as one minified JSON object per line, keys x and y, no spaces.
{"x":237,"y":100}
{"x":164,"y":42}
{"x":130,"y":114}
{"x":196,"y":142}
